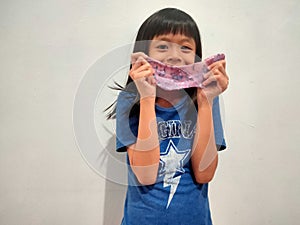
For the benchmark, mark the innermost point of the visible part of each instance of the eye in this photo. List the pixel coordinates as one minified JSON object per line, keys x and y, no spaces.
{"x":162,"y":47}
{"x":186,"y":48}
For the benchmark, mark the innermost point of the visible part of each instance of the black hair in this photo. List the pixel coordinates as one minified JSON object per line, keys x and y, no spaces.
{"x":164,"y":21}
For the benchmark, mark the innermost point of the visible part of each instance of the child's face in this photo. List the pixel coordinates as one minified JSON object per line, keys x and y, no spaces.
{"x":173,"y":49}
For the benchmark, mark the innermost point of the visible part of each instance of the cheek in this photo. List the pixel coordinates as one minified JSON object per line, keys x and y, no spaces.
{"x":153,"y":52}
{"x":156,"y":55}
{"x":190,"y":58}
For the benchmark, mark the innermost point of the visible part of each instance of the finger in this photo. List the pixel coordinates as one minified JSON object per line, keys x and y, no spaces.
{"x":151,"y":80}
{"x":221,"y":71}
{"x":144,"y":67}
{"x":138,"y":62}
{"x":208,"y":74}
{"x":141,"y":73}
{"x":221,"y":82}
{"x":218,"y":64}
{"x":209,"y":80}
{"x":137,"y":75}
{"x":224,"y":82}
{"x":221,"y":63}
{"x":136,"y":55}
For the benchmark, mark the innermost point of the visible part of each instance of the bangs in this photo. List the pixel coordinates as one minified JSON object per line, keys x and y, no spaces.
{"x":172,"y":27}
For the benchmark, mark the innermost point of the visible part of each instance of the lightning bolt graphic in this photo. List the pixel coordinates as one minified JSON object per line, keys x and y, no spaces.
{"x":173,"y":182}
{"x":172,"y":160}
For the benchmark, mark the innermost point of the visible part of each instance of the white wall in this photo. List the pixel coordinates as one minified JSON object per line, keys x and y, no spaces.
{"x":49,"y":47}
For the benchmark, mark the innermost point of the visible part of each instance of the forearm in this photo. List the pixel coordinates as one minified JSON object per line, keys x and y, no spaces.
{"x":145,"y":153}
{"x":204,"y":155}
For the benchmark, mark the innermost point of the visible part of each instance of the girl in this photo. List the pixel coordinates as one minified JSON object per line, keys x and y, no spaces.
{"x":171,"y":137}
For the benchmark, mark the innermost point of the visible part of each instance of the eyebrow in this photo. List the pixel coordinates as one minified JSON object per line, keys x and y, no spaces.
{"x":190,"y":40}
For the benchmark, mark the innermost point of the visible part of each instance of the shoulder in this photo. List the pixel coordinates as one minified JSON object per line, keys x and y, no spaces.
{"x":125,"y":101}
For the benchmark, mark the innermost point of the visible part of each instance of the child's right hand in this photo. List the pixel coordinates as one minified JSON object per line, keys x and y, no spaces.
{"x":142,"y":75}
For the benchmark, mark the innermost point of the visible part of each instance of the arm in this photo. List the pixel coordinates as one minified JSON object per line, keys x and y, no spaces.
{"x":204,"y":153}
{"x":205,"y":156}
{"x":145,"y":153}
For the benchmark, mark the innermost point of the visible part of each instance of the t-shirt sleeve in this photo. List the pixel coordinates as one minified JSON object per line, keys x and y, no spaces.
{"x":126,"y":128}
{"x":218,"y":128}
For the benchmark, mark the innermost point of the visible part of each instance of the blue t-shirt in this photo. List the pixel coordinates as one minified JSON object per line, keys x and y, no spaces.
{"x":176,"y":198}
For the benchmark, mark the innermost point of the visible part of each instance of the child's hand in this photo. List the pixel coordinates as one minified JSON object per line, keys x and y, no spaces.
{"x":142,"y":75}
{"x":215,"y":81}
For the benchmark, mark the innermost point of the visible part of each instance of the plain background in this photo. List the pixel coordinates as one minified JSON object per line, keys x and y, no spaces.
{"x":46,"y":49}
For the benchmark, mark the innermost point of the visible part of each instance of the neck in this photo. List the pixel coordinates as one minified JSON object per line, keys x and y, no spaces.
{"x":168,"y":99}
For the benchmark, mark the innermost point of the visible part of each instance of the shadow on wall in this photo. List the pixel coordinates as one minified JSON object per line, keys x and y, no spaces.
{"x":115,"y":188}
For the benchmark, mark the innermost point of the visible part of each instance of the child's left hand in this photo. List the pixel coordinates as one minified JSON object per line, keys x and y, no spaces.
{"x":215,"y":82}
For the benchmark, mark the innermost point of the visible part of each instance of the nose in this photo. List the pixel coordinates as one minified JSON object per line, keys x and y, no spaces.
{"x":174,"y":57}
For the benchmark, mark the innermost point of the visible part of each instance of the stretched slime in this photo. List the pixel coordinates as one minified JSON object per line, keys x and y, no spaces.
{"x":178,"y":77}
